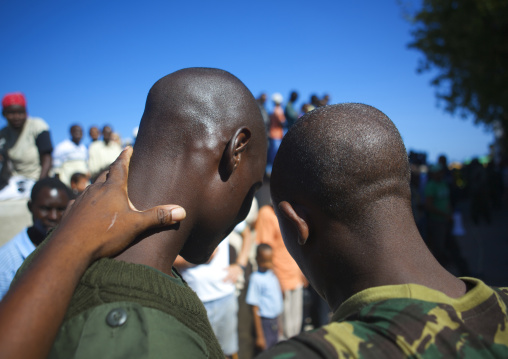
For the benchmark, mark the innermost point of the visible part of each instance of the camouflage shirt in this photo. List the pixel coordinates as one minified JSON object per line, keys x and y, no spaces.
{"x":409,"y":321}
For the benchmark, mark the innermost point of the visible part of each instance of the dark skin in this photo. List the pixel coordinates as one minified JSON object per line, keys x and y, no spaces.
{"x":47,"y":210}
{"x":76,"y":134}
{"x":16,"y":116}
{"x":46,"y":162}
{"x":231,"y":160}
{"x":262,"y":99}
{"x":265,"y":262}
{"x":383,"y":247}
{"x":94,"y":133}
{"x":106,"y":134}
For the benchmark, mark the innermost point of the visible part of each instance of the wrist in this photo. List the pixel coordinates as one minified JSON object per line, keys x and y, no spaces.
{"x":241,"y":266}
{"x":64,"y":241}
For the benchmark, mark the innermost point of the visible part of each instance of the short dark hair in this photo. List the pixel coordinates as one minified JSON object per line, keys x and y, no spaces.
{"x":342,"y":158}
{"x":51,"y":183}
{"x":76,"y":177}
{"x":263,"y":247}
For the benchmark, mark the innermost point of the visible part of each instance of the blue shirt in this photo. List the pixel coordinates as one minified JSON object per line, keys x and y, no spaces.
{"x":12,"y":255}
{"x":265,"y":293}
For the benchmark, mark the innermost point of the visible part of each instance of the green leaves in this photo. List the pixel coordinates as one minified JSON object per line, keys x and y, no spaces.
{"x":466,"y":43}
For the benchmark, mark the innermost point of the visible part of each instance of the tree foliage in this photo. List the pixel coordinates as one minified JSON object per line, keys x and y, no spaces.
{"x":466,"y":42}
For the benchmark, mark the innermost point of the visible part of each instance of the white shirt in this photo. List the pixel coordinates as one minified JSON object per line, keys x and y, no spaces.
{"x":69,"y":151}
{"x":207,"y":280}
{"x":102,"y":155}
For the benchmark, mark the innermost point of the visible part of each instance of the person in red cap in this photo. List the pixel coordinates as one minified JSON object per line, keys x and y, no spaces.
{"x":25,"y":149}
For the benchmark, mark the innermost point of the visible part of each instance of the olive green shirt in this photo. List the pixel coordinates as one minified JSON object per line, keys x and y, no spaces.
{"x":126,"y":310}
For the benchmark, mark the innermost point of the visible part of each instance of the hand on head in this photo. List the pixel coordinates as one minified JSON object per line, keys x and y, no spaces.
{"x":104,"y":217}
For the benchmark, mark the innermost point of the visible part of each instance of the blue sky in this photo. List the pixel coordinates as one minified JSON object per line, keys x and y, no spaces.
{"x":93,"y":62}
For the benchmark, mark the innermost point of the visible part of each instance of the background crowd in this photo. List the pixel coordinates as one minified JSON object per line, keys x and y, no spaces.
{"x":253,"y":290}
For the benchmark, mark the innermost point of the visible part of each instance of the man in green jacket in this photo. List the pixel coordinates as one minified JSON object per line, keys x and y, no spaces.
{"x":201,"y":144}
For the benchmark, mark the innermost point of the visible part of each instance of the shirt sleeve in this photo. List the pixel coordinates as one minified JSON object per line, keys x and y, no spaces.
{"x":314,"y":344}
{"x":253,"y":292}
{"x":126,"y":330}
{"x":43,"y":143}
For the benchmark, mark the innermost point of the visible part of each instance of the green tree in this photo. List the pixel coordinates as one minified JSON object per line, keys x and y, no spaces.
{"x":466,"y":43}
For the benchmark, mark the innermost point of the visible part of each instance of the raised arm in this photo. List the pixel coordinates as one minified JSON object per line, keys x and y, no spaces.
{"x":99,"y":224}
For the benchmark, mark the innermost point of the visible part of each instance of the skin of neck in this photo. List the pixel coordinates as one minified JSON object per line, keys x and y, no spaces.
{"x":341,"y":262}
{"x":150,"y":185}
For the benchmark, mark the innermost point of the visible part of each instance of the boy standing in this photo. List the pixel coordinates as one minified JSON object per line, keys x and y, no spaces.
{"x":265,"y":297}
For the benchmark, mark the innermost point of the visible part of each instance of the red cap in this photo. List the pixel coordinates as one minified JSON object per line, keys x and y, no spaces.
{"x":14,"y":98}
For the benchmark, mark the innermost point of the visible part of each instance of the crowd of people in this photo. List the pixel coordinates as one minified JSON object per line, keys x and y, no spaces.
{"x":444,"y":197}
{"x":332,"y":216}
{"x":27,"y":153}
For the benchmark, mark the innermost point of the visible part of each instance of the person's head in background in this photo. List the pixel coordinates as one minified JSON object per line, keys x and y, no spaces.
{"x":14,"y":110}
{"x":107,"y":131}
{"x":306,"y":107}
{"x":277,"y":99}
{"x":443,"y":161}
{"x":48,"y":201}
{"x":261,"y":99}
{"x":94,"y":133}
{"x":293,"y":96}
{"x":264,"y":257}
{"x":79,"y":182}
{"x":76,"y":134}
{"x":314,"y":101}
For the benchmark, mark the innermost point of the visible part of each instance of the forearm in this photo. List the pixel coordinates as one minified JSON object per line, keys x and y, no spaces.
{"x":247,"y":242}
{"x":101,"y":223}
{"x":45,"y":165}
{"x":257,"y":322}
{"x":37,"y":302}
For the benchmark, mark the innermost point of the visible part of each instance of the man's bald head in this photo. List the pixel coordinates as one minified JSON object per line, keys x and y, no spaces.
{"x":197,"y":103}
{"x":201,"y":144}
{"x":342,"y":158}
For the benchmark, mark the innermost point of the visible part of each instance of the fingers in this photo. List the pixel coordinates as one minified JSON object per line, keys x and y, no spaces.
{"x":102,"y":177}
{"x":161,"y":216}
{"x":119,"y":170}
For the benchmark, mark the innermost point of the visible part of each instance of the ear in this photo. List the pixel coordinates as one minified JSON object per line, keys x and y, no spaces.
{"x":297,"y":220}
{"x":232,"y":154}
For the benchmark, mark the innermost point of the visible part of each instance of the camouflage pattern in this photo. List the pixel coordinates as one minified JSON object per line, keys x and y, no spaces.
{"x":411,"y":328}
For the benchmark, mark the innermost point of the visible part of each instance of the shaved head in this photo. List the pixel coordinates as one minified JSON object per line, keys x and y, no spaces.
{"x":342,"y":158}
{"x":197,"y":103}
{"x":201,"y":144}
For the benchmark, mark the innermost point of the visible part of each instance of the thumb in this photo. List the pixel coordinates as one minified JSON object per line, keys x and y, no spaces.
{"x":161,"y":216}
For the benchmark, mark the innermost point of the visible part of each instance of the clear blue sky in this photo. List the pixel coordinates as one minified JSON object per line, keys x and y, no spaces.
{"x":93,"y":62}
